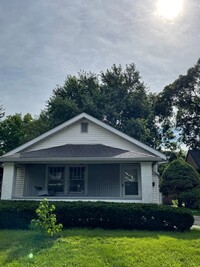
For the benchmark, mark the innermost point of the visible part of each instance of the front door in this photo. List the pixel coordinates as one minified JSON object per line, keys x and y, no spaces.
{"x":130,"y":183}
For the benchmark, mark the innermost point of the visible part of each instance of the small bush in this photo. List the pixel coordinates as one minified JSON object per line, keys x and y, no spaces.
{"x":46,"y":222}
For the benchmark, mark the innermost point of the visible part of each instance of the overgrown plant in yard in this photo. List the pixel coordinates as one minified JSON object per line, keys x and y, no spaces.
{"x":46,"y":222}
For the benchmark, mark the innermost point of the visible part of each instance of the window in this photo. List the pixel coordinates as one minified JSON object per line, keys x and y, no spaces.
{"x":130,"y":180}
{"x":84,"y":127}
{"x":77,"y":179}
{"x":56,"y":180}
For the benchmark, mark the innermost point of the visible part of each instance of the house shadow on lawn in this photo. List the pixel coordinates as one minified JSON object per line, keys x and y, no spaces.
{"x":24,"y":244}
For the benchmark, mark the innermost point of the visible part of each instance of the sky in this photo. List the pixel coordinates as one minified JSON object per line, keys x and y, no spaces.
{"x":43,"y":41}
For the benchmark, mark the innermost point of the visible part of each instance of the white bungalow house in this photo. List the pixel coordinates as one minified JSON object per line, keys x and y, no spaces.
{"x":82,"y":159}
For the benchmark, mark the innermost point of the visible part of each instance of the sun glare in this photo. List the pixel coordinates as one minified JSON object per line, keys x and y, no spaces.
{"x":169,"y":9}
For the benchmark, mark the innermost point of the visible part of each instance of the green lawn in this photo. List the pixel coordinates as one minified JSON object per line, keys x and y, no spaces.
{"x":100,"y":248}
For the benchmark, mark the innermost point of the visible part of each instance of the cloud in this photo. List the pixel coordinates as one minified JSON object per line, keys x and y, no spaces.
{"x":44,"y":41}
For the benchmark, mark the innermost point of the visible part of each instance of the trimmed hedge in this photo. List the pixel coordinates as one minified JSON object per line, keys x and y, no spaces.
{"x":106,"y":215}
{"x":17,"y":214}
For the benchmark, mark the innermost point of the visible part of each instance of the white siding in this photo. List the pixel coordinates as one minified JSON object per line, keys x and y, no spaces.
{"x":146,"y":176}
{"x":19,"y":185}
{"x":155,"y":189}
{"x":8,"y":177}
{"x":95,"y":135}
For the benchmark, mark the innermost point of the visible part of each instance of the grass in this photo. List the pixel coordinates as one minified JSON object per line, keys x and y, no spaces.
{"x":84,"y":247}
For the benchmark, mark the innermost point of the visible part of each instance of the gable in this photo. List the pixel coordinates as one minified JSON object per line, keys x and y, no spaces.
{"x":94,"y":135}
{"x":84,"y":129}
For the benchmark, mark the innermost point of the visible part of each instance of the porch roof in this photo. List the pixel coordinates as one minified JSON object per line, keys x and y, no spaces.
{"x":79,"y":152}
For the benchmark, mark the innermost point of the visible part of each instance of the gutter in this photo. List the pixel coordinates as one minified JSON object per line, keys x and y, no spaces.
{"x":80,"y":159}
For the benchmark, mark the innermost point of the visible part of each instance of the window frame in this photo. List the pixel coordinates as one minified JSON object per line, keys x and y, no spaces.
{"x":64,"y":179}
{"x":84,"y":127}
{"x":84,"y":192}
{"x":136,"y":167}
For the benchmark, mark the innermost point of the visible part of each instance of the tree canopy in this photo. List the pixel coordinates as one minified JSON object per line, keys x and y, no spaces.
{"x":17,"y":129}
{"x":117,"y":94}
{"x":181,"y":101}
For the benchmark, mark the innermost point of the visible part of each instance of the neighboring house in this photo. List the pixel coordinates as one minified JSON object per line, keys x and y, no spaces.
{"x":82,"y":159}
{"x":193,"y":158}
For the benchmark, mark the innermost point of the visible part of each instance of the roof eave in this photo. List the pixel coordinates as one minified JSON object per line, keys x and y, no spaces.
{"x":81,"y":159}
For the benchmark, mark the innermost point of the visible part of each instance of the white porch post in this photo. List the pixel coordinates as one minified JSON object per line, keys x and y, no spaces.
{"x":146,"y":179}
{"x":8,"y":181}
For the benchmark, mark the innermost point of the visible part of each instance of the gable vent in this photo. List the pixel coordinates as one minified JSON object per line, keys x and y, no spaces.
{"x":84,"y":127}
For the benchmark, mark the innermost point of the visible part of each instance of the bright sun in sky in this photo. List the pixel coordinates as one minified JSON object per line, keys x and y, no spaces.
{"x":169,"y":9}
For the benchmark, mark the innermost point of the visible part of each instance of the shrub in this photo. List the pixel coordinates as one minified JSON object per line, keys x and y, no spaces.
{"x":177,"y":178}
{"x":191,"y":198}
{"x":18,"y":215}
{"x":46,"y":222}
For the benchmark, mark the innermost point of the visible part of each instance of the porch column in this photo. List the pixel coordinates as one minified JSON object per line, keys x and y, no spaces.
{"x":8,"y":181}
{"x":146,"y":179}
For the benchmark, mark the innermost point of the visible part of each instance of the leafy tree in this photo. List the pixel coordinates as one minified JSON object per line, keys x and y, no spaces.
{"x":171,"y":156}
{"x":78,"y":94}
{"x":12,"y":132}
{"x":117,"y":94}
{"x":180,"y":102}
{"x":177,"y":178}
{"x":17,"y":129}
{"x":126,"y":102}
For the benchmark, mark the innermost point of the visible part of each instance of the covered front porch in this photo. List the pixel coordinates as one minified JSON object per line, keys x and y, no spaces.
{"x":120,"y":182}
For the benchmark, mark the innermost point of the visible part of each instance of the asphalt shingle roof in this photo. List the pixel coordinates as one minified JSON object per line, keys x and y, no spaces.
{"x":82,"y":151}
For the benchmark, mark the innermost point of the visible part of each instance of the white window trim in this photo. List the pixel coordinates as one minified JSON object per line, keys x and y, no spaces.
{"x":122,"y":186}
